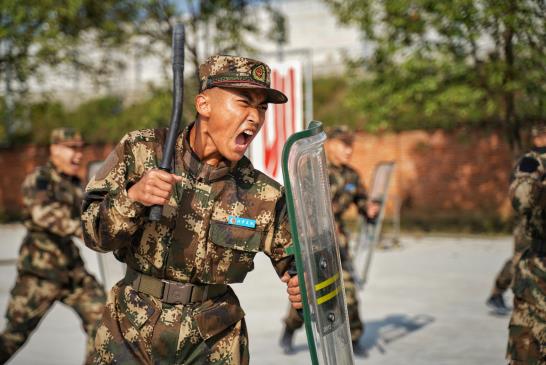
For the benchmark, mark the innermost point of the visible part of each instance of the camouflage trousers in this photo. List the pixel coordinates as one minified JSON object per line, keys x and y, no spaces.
{"x":137,"y":328}
{"x":293,"y":320}
{"x":32,"y":297}
{"x":503,"y":280}
{"x":527,"y":328}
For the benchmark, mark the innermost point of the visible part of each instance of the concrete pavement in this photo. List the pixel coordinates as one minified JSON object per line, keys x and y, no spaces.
{"x":424,"y":304}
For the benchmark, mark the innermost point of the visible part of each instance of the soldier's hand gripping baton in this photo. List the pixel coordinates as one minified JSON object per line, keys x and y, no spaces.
{"x":176,"y":115}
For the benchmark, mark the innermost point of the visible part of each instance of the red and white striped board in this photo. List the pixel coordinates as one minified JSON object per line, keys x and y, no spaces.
{"x":282,"y":120}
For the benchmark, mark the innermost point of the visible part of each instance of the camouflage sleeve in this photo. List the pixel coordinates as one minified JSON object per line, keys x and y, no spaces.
{"x":360,"y":197}
{"x":278,"y":238}
{"x":109,"y":217}
{"x":46,"y":211}
{"x":527,"y":188}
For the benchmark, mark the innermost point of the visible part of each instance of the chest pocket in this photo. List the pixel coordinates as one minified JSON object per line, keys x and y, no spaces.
{"x":231,"y":251}
{"x":64,"y":194}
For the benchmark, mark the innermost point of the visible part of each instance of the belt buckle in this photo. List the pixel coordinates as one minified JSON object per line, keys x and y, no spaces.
{"x":174,"y":293}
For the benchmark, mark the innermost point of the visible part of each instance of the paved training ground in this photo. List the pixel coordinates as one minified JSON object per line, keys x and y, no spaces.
{"x":424,"y":304}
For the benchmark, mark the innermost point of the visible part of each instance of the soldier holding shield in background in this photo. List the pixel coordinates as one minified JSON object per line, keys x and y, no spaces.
{"x":346,"y":190}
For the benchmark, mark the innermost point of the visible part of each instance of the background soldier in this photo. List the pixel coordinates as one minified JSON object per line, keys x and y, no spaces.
{"x":49,"y":267}
{"x":346,"y":190}
{"x":174,"y":304}
{"x":527,"y":329}
{"x":522,"y":239}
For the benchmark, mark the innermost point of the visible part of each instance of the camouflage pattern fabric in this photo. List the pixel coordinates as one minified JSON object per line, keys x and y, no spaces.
{"x":194,"y":242}
{"x":346,"y":189}
{"x":67,"y":136}
{"x":238,"y":72}
{"x":503,"y":281}
{"x":49,"y":265}
{"x":527,"y":329}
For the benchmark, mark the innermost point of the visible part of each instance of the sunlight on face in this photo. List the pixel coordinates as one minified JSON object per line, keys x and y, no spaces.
{"x":234,"y":119}
{"x":338,"y":152}
{"x":67,"y":158}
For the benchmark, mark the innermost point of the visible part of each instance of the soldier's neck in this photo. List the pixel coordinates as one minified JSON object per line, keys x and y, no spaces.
{"x":202,"y":145}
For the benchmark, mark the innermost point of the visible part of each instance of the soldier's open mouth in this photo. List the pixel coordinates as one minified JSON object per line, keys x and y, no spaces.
{"x":244,"y":138}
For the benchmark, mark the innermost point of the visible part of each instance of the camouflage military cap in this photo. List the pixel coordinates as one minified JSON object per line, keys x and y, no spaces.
{"x":538,"y":129}
{"x":342,"y":132}
{"x":66,"y":136}
{"x":238,"y":72}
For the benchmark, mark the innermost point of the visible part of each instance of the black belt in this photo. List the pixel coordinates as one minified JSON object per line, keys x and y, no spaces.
{"x":173,"y":292}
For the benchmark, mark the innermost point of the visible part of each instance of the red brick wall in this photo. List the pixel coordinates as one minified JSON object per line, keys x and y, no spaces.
{"x":436,"y":172}
{"x":441,"y":173}
{"x":16,"y":163}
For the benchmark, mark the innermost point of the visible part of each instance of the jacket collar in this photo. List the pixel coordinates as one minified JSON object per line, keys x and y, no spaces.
{"x":192,"y":163}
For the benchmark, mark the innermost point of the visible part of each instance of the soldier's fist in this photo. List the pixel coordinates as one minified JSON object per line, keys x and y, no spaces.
{"x":372,"y":210}
{"x":293,"y":290}
{"x":154,"y":188}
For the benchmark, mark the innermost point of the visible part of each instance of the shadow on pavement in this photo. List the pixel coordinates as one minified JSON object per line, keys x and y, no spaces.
{"x":379,"y":333}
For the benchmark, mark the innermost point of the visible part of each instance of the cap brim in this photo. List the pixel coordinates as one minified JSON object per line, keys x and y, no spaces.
{"x":72,"y":143}
{"x":273,"y":96}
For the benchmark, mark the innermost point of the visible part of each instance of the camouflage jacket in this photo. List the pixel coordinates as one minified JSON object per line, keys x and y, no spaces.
{"x":528,"y":194}
{"x":216,"y":221}
{"x":346,"y":189}
{"x":51,"y":213}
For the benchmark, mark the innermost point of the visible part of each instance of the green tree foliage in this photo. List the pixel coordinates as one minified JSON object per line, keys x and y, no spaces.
{"x":39,"y":36}
{"x":449,"y":64}
{"x":36,"y":34}
{"x":103,"y":119}
{"x":212,"y":26}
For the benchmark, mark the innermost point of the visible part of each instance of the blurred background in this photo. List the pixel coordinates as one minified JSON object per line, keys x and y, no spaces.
{"x":448,"y":90}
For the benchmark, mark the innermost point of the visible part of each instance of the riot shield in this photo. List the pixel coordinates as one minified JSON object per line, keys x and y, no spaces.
{"x":370,"y":232}
{"x":111,"y":270}
{"x":315,"y":247}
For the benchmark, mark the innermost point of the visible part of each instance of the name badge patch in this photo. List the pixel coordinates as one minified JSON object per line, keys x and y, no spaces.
{"x":242,"y":222}
{"x":350,"y":187}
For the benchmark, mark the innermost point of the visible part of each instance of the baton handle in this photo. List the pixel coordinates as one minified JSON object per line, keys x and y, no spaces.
{"x":176,"y":115}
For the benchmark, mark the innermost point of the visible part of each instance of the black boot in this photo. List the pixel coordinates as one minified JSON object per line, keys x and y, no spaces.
{"x":286,"y":341}
{"x":496,"y":302}
{"x":359,"y":350}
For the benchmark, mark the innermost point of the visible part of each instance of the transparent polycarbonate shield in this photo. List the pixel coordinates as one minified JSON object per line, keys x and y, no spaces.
{"x":316,"y":249}
{"x":111,"y":269}
{"x":370,"y":232}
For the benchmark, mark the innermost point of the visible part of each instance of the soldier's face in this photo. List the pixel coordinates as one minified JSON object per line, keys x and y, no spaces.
{"x":540,"y":140}
{"x":338,"y":152}
{"x":66,"y":158}
{"x":234,"y":118}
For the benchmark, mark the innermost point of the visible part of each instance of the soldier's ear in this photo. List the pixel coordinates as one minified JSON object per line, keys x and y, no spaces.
{"x":202,"y":105}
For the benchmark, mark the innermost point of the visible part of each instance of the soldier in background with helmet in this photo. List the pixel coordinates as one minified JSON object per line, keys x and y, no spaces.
{"x":522,"y":238}
{"x":527,"y":328}
{"x":49,"y":267}
{"x":346,"y":190}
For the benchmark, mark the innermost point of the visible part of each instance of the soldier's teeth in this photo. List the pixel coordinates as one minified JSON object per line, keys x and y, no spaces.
{"x":248,"y":132}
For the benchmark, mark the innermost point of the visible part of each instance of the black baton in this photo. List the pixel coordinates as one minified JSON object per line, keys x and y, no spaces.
{"x":178,"y":95}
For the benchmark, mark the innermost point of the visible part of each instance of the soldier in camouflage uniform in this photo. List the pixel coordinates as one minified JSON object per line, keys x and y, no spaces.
{"x":522,"y":240}
{"x":527,"y":329}
{"x":174,"y":305}
{"x":346,"y":190}
{"x":49,"y":267}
